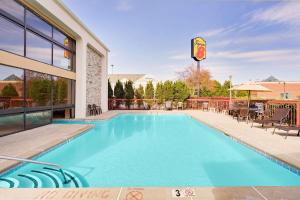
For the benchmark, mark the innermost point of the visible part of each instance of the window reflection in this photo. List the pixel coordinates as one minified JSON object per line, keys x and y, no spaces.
{"x":62,"y":91}
{"x":38,"y":89}
{"x":38,"y":24}
{"x":11,"y":123}
{"x":38,"y":48}
{"x":11,"y":37}
{"x":11,"y":87}
{"x":62,"y":58}
{"x":13,"y":8}
{"x":38,"y":119}
{"x":62,"y":38}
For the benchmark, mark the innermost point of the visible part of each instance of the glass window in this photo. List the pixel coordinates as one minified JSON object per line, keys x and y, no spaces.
{"x":62,"y":58}
{"x":13,"y":8}
{"x":11,"y":87}
{"x":62,"y":38}
{"x":11,"y":123}
{"x":38,"y":89}
{"x":38,"y":48}
{"x":38,"y":24}
{"x":11,"y":37}
{"x":38,"y":119}
{"x":62,"y":91}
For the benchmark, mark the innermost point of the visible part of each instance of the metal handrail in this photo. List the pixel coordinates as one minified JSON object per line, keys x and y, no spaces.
{"x":39,"y":163}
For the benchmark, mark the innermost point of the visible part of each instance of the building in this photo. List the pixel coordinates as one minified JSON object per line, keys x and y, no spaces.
{"x":279,"y":90}
{"x":51,"y":65}
{"x":137,"y":79}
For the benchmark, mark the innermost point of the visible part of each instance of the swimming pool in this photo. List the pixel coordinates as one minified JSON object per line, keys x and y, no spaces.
{"x":162,"y":150}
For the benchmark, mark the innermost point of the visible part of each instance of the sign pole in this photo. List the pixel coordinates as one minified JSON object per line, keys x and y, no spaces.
{"x":198,"y":72}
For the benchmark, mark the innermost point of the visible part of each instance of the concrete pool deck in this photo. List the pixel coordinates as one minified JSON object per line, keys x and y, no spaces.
{"x":32,"y":142}
{"x":194,"y":193}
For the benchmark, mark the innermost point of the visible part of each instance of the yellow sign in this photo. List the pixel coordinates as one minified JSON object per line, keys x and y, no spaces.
{"x":198,"y":49}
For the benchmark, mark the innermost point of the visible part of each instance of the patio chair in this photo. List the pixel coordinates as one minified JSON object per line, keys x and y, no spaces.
{"x":243,"y":115}
{"x":279,"y":117}
{"x":180,"y":105}
{"x":90,"y":110}
{"x":288,"y":129}
{"x":97,"y":109}
{"x":205,"y":106}
{"x":168,"y":105}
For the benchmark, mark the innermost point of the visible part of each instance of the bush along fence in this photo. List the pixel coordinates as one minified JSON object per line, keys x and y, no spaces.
{"x":124,"y":98}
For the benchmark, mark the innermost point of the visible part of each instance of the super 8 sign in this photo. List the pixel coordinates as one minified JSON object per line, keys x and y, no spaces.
{"x":198,"y":49}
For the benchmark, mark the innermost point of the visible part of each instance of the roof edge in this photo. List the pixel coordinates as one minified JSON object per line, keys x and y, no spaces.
{"x":63,"y":6}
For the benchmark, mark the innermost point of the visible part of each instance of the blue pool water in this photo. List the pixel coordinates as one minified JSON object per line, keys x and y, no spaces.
{"x":163,"y":150}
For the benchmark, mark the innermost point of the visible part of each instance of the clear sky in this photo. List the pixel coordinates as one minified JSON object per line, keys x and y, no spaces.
{"x":248,"y":39}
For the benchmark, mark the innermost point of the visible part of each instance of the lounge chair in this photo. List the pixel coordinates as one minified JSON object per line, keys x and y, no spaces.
{"x":179,"y":105}
{"x":279,"y":117}
{"x":288,"y":129}
{"x":168,"y":105}
{"x":205,"y":106}
{"x":97,"y":109}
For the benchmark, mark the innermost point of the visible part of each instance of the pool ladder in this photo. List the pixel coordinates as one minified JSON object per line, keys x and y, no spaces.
{"x":38,"y":163}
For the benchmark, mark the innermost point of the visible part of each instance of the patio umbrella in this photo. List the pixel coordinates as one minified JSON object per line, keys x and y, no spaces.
{"x":250,"y":87}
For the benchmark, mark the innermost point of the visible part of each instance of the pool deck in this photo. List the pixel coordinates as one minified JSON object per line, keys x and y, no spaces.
{"x":32,"y":142}
{"x":204,"y":193}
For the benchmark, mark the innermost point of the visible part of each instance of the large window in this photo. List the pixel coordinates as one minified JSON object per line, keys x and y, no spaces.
{"x":11,"y":124}
{"x":37,"y":119}
{"x":62,"y":91}
{"x":11,"y":88}
{"x":11,"y":37}
{"x":38,"y":48}
{"x":38,"y":89}
{"x":62,"y":58}
{"x":37,"y":23}
{"x":12,"y":8}
{"x":30,"y":99}
{"x":44,"y":42}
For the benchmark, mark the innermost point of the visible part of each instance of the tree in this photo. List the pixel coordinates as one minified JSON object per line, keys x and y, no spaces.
{"x":191,"y":77}
{"x":129,"y":93}
{"x":9,"y":91}
{"x":149,"y":91}
{"x":225,"y":88}
{"x":168,"y":90}
{"x":119,"y":92}
{"x":139,"y":94}
{"x":110,"y":91}
{"x":159,"y":93}
{"x":217,"y":89}
{"x":181,"y":91}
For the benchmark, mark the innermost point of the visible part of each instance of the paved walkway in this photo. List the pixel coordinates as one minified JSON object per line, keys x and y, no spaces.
{"x":205,"y":193}
{"x":27,"y":144}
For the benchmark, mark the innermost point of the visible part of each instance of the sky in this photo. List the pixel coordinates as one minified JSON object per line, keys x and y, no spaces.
{"x":247,"y":39}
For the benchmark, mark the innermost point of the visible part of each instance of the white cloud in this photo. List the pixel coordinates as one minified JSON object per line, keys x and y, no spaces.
{"x":264,"y":56}
{"x":287,"y":12}
{"x":124,"y":5}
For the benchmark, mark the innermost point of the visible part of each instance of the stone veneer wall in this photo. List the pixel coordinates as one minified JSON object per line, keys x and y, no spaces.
{"x":93,"y":79}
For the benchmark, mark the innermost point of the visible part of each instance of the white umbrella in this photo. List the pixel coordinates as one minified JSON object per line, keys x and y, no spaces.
{"x":250,"y":87}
